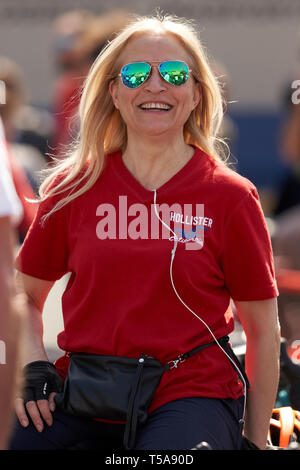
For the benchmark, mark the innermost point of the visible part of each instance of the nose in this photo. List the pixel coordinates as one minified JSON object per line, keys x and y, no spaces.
{"x":155,"y":82}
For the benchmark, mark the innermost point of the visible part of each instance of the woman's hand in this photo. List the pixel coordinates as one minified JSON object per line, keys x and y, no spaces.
{"x":38,"y":411}
{"x":41,"y":379}
{"x":42,"y":382}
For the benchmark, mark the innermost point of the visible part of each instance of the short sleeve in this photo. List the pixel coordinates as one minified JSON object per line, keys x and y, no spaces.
{"x":247,"y":256}
{"x":10,"y":204}
{"x":45,"y":251}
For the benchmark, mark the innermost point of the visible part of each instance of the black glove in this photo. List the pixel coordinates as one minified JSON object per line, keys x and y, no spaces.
{"x":41,"y":379}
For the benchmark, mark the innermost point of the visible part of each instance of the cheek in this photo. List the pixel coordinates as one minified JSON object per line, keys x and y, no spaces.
{"x":122,"y":97}
{"x":126,"y":101}
{"x":186,"y":102}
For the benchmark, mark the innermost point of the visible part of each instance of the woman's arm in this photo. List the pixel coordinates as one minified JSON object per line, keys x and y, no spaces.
{"x":36,"y":291}
{"x":11,"y":321}
{"x":260,"y":322}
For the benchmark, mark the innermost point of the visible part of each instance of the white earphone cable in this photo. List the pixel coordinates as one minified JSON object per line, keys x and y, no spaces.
{"x":199,"y":318}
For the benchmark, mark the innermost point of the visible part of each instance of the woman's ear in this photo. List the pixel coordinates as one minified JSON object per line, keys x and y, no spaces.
{"x":113,"y":92}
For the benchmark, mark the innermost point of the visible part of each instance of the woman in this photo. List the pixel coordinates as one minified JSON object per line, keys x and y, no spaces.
{"x":144,"y":195}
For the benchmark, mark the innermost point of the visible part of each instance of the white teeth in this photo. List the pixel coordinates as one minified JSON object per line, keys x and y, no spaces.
{"x":155,"y":106}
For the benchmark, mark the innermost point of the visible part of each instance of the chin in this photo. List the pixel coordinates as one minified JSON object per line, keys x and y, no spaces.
{"x":156,"y":131}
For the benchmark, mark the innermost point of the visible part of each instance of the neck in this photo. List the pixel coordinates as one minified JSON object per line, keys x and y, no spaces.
{"x":152,"y":162}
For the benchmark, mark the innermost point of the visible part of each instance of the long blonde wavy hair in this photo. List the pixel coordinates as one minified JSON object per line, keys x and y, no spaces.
{"x":101,"y":128}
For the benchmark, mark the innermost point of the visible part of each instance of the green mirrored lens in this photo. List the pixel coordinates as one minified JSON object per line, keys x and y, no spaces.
{"x":133,"y":75}
{"x":174,"y":72}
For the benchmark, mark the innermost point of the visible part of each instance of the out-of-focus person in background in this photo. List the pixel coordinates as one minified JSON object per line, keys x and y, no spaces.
{"x":78,"y":38}
{"x":286,"y":214}
{"x":25,"y":160}
{"x":287,"y":210}
{"x":289,"y":144}
{"x":289,"y":147}
{"x":286,"y":218}
{"x":10,"y":305}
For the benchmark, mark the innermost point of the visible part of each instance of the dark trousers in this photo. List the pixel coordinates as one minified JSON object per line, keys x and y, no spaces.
{"x":177,"y":425}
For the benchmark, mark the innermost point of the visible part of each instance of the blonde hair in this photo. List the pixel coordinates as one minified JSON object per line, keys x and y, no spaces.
{"x":102,"y":130}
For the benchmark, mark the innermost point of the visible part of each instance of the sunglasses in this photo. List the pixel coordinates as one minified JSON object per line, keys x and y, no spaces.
{"x":174,"y":72}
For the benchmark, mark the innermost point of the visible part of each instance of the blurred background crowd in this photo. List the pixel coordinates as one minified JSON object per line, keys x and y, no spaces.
{"x":47,"y":50}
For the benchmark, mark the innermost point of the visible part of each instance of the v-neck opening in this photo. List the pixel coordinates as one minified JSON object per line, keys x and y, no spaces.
{"x":143,"y":193}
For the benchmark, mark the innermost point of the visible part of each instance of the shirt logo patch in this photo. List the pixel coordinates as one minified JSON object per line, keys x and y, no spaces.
{"x":190,"y":233}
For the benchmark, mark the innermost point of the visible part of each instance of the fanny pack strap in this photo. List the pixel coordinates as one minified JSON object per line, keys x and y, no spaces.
{"x":182,"y":357}
{"x":223,"y":341}
{"x":133,"y":409}
{"x":132,"y":415}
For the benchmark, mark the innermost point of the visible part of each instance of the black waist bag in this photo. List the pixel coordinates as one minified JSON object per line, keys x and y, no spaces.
{"x":115,"y":388}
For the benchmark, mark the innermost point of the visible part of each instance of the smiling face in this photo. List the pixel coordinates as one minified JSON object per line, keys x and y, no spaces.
{"x":156,"y":108}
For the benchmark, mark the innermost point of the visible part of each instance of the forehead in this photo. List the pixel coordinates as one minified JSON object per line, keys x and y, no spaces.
{"x":153,"y":47}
